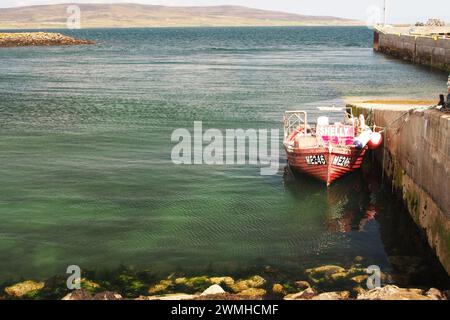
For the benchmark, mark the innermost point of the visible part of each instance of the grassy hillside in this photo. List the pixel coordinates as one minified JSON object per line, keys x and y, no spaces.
{"x":136,"y":15}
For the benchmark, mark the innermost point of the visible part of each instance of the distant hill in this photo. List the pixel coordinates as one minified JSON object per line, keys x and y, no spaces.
{"x":137,"y":15}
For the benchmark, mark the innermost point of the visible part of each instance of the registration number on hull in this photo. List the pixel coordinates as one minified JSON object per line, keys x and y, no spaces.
{"x":341,"y":161}
{"x":316,"y":160}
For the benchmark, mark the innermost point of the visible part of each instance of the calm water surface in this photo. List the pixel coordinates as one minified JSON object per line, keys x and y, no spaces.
{"x":86,"y":174}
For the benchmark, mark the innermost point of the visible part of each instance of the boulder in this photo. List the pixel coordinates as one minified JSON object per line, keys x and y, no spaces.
{"x":80,"y":294}
{"x":435,"y":294}
{"x":338,"y":295}
{"x":338,"y":276}
{"x":89,"y":285}
{"x":306,"y":294}
{"x":256,"y":282}
{"x":324,"y":272}
{"x":358,"y":290}
{"x":180,"y":281}
{"x":219,"y":280}
{"x":361,"y":279}
{"x":194,"y":284}
{"x":160,"y":287}
{"x":107,"y":295}
{"x":446,"y":294}
{"x":253,"y":293}
{"x":391,"y":292}
{"x":214,"y":289}
{"x":221,"y":296}
{"x":253,"y":282}
{"x":21,"y":289}
{"x":172,"y":296}
{"x":356,"y":271}
{"x":278,"y":289}
{"x":302,"y":285}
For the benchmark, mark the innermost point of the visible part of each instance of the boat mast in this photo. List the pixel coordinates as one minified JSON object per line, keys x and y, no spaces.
{"x":385,"y":12}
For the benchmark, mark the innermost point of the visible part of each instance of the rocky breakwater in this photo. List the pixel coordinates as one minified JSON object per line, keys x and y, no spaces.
{"x":39,"y":39}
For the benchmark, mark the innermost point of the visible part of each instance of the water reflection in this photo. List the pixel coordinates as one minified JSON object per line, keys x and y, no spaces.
{"x":358,"y":203}
{"x":351,"y":201}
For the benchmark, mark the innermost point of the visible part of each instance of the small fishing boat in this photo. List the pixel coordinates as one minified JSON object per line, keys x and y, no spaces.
{"x":327,"y":151}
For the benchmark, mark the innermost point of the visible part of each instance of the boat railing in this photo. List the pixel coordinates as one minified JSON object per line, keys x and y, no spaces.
{"x":293,"y":120}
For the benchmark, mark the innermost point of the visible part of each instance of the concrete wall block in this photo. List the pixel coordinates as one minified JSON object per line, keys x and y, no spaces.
{"x":438,"y":57}
{"x":427,"y":42}
{"x":410,"y":40}
{"x":439,"y":51}
{"x":444,"y":43}
{"x":424,"y":50}
{"x":409,"y":46}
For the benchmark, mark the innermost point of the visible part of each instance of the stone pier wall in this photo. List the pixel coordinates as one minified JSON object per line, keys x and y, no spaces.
{"x":429,"y":51}
{"x":416,"y":157}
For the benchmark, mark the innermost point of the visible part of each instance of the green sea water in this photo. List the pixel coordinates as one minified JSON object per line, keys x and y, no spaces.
{"x":85,"y":152}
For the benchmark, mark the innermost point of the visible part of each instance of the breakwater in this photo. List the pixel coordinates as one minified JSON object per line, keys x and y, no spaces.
{"x":430,"y":47}
{"x":38,"y":39}
{"x":415,"y":157}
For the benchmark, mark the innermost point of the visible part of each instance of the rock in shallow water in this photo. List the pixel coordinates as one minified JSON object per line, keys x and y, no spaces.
{"x":107,"y":295}
{"x":80,"y":294}
{"x":360,"y":279}
{"x":10,"y":39}
{"x":253,"y":293}
{"x":391,"y":292}
{"x":218,"y":280}
{"x":435,"y":294}
{"x":323,"y":273}
{"x":337,"y":295}
{"x":278,"y":289}
{"x":302,"y":285}
{"x":306,"y":294}
{"x":253,"y":282}
{"x":172,"y":296}
{"x":214,"y":289}
{"x":21,"y":289}
{"x":160,"y":287}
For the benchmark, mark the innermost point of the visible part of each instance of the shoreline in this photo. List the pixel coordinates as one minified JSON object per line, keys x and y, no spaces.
{"x":22,"y":39}
{"x":325,"y":282}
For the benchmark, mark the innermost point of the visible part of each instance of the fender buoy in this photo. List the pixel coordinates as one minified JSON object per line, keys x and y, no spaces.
{"x":375,"y":140}
{"x":361,"y":140}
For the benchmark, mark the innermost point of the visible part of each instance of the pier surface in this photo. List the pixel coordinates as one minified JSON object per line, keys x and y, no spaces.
{"x":428,"y":46}
{"x":416,"y":159}
{"x":38,"y":39}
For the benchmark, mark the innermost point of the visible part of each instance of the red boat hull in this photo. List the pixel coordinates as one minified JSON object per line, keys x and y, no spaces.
{"x":324,"y":163}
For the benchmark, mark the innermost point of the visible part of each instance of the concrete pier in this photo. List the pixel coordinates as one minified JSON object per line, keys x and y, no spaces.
{"x":416,"y":159}
{"x":428,"y":46}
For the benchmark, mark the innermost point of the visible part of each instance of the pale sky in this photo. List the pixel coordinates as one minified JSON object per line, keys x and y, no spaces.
{"x":400,"y":11}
